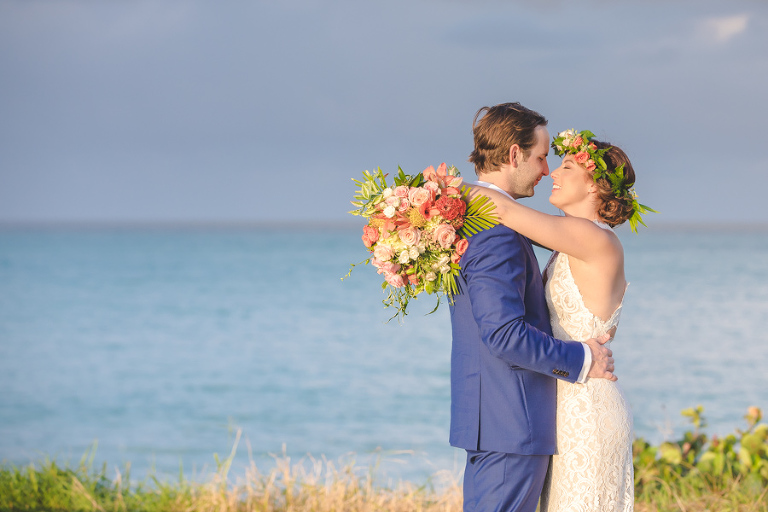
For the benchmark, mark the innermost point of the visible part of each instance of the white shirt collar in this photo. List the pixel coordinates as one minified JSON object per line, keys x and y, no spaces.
{"x":494,"y":187}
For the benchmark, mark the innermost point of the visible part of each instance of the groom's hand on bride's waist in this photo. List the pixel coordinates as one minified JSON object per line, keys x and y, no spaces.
{"x":602,"y":358}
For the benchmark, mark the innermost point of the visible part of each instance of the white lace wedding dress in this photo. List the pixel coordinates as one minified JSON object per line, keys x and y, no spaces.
{"x":592,"y":469}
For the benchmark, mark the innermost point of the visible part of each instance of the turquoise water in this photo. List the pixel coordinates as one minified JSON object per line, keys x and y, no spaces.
{"x":161,"y":344}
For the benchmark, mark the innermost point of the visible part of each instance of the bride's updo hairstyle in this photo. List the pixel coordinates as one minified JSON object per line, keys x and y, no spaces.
{"x":612,"y":173}
{"x":614,"y":210}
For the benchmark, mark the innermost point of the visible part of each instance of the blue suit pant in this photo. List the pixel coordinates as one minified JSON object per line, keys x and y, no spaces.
{"x":503,"y":482}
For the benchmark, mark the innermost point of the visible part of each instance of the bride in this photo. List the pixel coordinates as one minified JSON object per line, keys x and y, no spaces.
{"x":584,"y":288}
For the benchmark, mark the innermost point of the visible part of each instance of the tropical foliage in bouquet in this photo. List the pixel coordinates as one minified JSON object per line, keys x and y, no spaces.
{"x":418,"y":229}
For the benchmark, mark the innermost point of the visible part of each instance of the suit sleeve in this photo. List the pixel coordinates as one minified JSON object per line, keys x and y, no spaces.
{"x":496,"y":278}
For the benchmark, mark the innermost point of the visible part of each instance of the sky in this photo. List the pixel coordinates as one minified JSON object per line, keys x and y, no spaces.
{"x":190,"y":111}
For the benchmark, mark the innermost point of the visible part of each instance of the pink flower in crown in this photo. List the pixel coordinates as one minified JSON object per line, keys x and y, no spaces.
{"x":401,"y":191}
{"x":591,"y":165}
{"x":582,"y":157}
{"x":410,"y":236}
{"x":370,"y":235}
{"x":577,"y":142}
{"x":592,"y":146}
{"x":395,"y":280}
{"x":419,"y":195}
{"x":445,"y":235}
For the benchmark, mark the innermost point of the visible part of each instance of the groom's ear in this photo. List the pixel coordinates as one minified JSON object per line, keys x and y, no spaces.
{"x":514,"y":153}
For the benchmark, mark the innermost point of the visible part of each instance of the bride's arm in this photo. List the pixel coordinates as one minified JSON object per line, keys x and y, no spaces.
{"x":575,"y":236}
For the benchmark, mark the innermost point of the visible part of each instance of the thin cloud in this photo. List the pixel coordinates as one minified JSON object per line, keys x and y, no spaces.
{"x":723,"y":29}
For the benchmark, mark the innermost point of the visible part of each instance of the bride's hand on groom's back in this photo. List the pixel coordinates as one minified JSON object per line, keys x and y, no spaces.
{"x":602,"y":359}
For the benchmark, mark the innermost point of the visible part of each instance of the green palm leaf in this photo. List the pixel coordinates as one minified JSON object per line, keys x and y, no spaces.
{"x":479,"y":216}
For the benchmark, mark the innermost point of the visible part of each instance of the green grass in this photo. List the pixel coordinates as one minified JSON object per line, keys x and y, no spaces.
{"x":695,"y":473}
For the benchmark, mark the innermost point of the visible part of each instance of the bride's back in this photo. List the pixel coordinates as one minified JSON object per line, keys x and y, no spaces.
{"x":601,"y":281}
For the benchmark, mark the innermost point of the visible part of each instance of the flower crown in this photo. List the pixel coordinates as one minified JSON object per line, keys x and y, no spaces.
{"x":586,"y":153}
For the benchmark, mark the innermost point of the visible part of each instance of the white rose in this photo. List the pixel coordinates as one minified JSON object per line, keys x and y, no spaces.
{"x":387,"y":192}
{"x":404,"y":258}
{"x":389,"y":212}
{"x":393,"y":201}
{"x":441,"y":262}
{"x":413,"y":253}
{"x":431,"y":276}
{"x":445,"y":269}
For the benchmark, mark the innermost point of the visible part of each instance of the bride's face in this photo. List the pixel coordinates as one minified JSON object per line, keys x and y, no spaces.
{"x":571,"y":185}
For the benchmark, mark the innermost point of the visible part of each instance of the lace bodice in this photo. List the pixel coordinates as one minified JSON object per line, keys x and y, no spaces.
{"x":574,"y":321}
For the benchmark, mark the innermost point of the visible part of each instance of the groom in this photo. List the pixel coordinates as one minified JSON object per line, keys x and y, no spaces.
{"x":504,"y":360}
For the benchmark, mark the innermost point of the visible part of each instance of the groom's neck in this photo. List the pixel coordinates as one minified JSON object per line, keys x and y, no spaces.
{"x":500,"y":179}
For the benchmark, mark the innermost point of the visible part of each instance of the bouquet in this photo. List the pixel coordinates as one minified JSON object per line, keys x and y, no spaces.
{"x":418,"y":229}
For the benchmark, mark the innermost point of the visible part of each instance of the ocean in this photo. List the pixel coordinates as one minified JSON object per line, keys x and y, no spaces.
{"x":157,"y":346}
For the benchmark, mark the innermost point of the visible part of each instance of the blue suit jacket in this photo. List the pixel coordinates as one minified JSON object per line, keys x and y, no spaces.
{"x":504,"y":357}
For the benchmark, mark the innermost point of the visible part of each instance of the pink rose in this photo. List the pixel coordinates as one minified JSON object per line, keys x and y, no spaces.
{"x":578,"y":141}
{"x":419,"y":195}
{"x":385,"y":267}
{"x":370,"y":235}
{"x":383,"y":252}
{"x":401,"y":191}
{"x":392,"y":201}
{"x":461,"y":246}
{"x":591,"y":166}
{"x":445,"y":235}
{"x":432,"y":187}
{"x":410,"y":236}
{"x":395,"y":280}
{"x":455,"y":258}
{"x":413,"y":279}
{"x":582,"y":157}
{"x":404,"y":205}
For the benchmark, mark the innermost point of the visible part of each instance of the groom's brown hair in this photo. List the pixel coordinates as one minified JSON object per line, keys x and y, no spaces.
{"x":499,"y":128}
